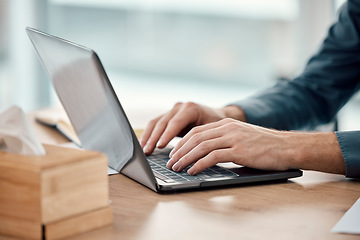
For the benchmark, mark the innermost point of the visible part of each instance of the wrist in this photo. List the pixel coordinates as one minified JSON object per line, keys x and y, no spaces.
{"x":234,"y":112}
{"x":316,"y":151}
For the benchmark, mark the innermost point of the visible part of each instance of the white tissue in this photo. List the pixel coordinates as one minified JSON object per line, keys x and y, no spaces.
{"x":16,"y":134}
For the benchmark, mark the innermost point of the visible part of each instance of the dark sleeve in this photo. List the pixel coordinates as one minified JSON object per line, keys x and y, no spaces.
{"x":329,"y":80}
{"x":350,"y":147}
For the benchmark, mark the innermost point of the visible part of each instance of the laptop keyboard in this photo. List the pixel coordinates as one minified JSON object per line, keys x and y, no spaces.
{"x":159,"y":159}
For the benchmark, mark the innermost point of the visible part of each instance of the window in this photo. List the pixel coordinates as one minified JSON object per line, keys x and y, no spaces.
{"x":159,"y":52}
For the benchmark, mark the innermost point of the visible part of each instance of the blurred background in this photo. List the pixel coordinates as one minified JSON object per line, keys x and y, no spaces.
{"x":159,"y":52}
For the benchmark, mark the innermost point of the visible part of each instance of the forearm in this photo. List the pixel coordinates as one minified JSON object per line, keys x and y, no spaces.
{"x":315,"y":151}
{"x":306,"y":150}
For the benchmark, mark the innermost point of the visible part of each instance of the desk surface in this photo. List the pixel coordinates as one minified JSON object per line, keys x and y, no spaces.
{"x":302,"y":208}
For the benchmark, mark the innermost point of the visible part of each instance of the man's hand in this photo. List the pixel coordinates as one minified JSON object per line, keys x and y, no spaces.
{"x":180,"y":120}
{"x":248,"y":145}
{"x":229,"y":140}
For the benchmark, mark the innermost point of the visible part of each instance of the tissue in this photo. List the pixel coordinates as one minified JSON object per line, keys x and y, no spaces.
{"x":16,"y":134}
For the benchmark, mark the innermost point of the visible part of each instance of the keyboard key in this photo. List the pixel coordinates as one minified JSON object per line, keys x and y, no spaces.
{"x":159,"y":159}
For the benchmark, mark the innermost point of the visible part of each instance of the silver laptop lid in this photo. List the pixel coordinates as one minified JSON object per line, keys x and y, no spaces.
{"x":88,"y":100}
{"x":91,"y":103}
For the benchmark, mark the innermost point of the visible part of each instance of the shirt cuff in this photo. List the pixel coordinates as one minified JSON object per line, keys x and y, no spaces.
{"x":349,"y":142}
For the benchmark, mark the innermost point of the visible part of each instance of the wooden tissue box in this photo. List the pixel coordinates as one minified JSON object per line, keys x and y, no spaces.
{"x":54,"y":196}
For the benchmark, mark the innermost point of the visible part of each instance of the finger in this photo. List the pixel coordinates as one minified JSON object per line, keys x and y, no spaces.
{"x":216,"y":156}
{"x":191,"y":144}
{"x":158,"y":129}
{"x":186,"y":138}
{"x":156,"y":133}
{"x":148,"y":130}
{"x":198,"y":151}
{"x":198,"y":130}
{"x":176,"y":124}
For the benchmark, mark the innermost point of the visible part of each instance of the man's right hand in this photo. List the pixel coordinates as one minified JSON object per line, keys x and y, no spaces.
{"x":180,"y":119}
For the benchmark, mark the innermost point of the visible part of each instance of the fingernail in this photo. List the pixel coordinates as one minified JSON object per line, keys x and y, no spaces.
{"x":170,"y":163}
{"x":191,"y":171}
{"x":160,"y":143}
{"x":176,"y":167}
{"x":146,"y":149}
{"x":171,"y":153}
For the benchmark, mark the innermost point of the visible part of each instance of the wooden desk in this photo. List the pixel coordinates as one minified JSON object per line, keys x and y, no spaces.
{"x":303,"y":208}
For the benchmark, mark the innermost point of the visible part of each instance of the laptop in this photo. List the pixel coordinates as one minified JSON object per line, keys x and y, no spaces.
{"x":101,"y":124}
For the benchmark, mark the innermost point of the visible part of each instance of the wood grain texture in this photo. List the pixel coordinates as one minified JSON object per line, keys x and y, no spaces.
{"x":20,"y":203}
{"x":18,"y":228}
{"x":38,"y":190}
{"x":79,"y":224}
{"x":74,"y":188}
{"x":55,"y":156}
{"x":303,"y":208}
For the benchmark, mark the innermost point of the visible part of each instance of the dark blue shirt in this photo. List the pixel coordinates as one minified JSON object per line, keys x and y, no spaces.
{"x":329,"y":80}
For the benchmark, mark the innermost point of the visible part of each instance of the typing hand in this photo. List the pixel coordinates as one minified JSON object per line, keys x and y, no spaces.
{"x":230,"y":140}
{"x":177,"y":122}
